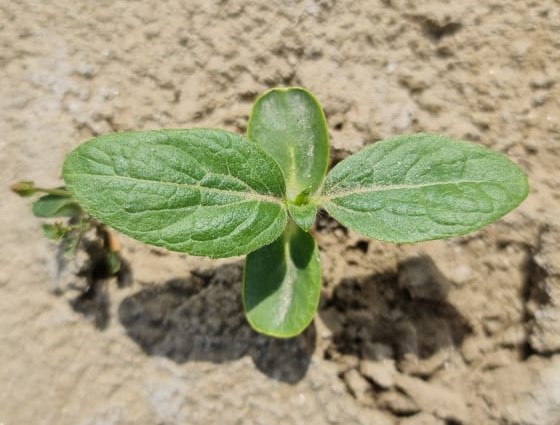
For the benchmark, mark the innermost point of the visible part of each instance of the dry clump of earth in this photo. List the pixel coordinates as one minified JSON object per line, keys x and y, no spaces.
{"x":464,"y":331}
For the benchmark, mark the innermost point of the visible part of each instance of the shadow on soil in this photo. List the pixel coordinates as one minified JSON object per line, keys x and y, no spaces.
{"x":201,"y":318}
{"x":88,"y":275}
{"x":406,"y":312}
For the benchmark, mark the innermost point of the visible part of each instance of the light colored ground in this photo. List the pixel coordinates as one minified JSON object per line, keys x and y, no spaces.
{"x":176,"y":349}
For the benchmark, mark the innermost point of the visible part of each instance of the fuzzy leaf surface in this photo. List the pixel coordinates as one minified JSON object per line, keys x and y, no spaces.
{"x":303,"y":215}
{"x":290,"y":126}
{"x":205,"y":192}
{"x":282,"y":284}
{"x":422,"y":187}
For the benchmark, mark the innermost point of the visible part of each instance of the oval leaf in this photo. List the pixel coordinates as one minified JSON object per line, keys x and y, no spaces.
{"x":56,"y":206}
{"x":205,"y":192}
{"x":422,"y":187}
{"x":290,"y":126}
{"x":282,"y":284}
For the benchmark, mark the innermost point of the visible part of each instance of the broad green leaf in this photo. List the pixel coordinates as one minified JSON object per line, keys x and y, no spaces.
{"x":290,"y":126}
{"x":56,"y":206}
{"x":205,"y":192}
{"x":282,"y":284}
{"x":422,"y":187}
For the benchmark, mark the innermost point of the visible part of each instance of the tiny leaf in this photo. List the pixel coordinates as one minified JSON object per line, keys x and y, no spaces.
{"x":56,"y":206}
{"x":205,"y":192}
{"x":422,"y":187}
{"x":70,"y":242}
{"x":303,"y":215}
{"x":55,"y":231}
{"x":290,"y":126}
{"x":24,"y":188}
{"x":282,"y":284}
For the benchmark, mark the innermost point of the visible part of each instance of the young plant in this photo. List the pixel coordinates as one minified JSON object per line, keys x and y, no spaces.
{"x":215,"y":193}
{"x":58,"y":204}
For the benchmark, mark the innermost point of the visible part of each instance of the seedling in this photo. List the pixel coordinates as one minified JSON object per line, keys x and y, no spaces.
{"x":72,"y":222}
{"x":215,"y":193}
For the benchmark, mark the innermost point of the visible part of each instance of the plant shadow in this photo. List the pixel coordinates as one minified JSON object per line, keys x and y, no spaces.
{"x":85,"y":275}
{"x":200,"y":318}
{"x":402,"y":315}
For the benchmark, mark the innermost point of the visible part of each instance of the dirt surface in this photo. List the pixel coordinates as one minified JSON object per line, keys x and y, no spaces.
{"x":464,"y":331}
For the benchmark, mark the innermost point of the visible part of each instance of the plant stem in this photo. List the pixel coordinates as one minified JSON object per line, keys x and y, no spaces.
{"x":57,"y":192}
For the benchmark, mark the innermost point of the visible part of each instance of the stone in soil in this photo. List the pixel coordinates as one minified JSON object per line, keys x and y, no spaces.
{"x":398,"y":403}
{"x":441,"y":402}
{"x":358,"y":386}
{"x":379,"y":372}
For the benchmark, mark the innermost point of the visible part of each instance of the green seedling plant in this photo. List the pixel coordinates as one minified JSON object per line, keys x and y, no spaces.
{"x":218,"y":194}
{"x":67,"y":222}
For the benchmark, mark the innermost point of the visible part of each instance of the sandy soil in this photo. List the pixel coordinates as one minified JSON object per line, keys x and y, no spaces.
{"x":465,"y":331}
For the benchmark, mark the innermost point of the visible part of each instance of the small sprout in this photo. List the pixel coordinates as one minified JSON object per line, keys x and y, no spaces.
{"x":24,"y":188}
{"x":27,"y":188}
{"x":55,"y":232}
{"x":113,"y":249}
{"x":302,"y":198}
{"x":59,"y":203}
{"x":70,"y":243}
{"x":218,"y":194}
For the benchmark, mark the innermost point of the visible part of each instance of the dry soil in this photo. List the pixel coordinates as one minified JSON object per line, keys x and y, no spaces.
{"x":464,"y":331}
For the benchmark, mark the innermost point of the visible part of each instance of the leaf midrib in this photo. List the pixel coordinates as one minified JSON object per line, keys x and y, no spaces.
{"x":385,"y":188}
{"x":253,"y":196}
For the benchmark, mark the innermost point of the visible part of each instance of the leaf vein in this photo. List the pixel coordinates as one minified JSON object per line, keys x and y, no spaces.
{"x":255,"y":196}
{"x":385,"y":188}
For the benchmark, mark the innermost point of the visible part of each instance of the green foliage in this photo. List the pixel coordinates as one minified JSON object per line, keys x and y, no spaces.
{"x":282,"y":284}
{"x":214,"y":193}
{"x":55,"y":231}
{"x":303,"y":215}
{"x":59,"y":203}
{"x":421,"y":187}
{"x":48,"y":206}
{"x":24,"y":188}
{"x":290,"y":126}
{"x":68,"y":236}
{"x":282,"y":281}
{"x":206,"y":192}
{"x":27,"y":188}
